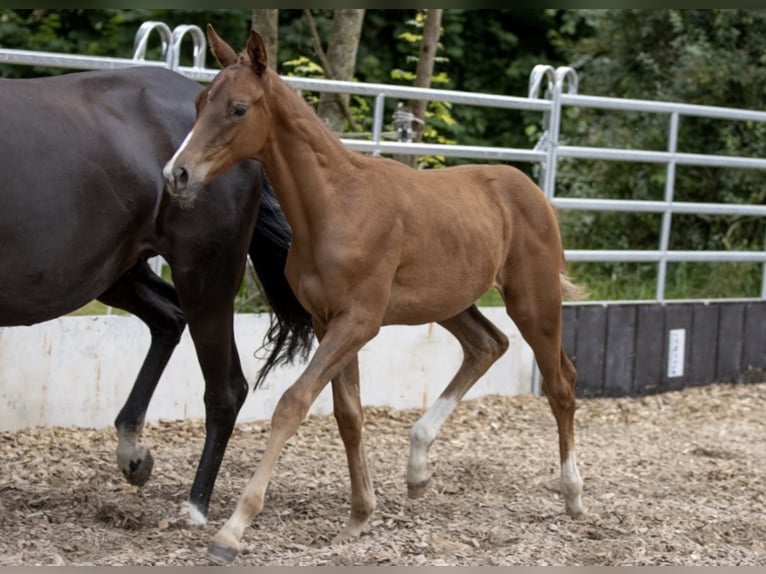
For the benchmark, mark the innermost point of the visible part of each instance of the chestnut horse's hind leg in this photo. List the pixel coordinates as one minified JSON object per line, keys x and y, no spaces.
{"x":340,"y":344}
{"x":482,"y":345}
{"x":349,"y":416}
{"x":533,"y":301}
{"x":154,"y":301}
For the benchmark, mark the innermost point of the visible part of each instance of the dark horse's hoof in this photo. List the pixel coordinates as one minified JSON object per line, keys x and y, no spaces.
{"x":221,"y":554}
{"x":140,"y":470}
{"x":417,"y":490}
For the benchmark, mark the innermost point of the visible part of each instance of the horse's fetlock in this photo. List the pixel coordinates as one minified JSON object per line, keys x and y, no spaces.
{"x":421,"y":436}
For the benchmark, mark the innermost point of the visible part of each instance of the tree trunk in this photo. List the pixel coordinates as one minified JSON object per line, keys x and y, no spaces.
{"x":339,"y":64}
{"x":266,"y":23}
{"x":425,"y":69}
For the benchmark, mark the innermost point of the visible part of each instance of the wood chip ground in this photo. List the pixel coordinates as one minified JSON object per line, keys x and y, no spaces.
{"x":676,"y":478}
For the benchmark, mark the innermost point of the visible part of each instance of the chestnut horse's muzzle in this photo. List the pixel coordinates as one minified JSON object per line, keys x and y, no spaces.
{"x":176,"y":179}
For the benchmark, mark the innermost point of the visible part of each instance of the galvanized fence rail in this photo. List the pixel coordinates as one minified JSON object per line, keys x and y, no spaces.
{"x":559,"y":89}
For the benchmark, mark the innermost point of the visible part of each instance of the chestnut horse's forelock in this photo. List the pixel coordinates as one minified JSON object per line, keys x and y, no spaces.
{"x":376,"y":242}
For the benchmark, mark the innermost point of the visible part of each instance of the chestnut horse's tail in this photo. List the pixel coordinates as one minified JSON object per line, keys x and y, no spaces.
{"x":570,"y":290}
{"x":291,"y":333}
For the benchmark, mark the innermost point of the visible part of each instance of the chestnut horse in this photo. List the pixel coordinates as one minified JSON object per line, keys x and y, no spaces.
{"x":376,"y":242}
{"x":82,"y":206}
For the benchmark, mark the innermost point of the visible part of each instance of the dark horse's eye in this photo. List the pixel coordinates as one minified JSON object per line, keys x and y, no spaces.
{"x":238,"y":111}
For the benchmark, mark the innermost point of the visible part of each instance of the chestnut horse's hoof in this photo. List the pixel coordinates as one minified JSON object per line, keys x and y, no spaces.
{"x":220,"y":554}
{"x":417,"y":490}
{"x":138,"y":471}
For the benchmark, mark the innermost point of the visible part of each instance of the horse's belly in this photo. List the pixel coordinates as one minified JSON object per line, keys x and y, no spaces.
{"x":34,"y":298}
{"x":436,"y":297}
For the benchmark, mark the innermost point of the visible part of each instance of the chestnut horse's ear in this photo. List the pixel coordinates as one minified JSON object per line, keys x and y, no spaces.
{"x":256,"y":49}
{"x":224,"y":53}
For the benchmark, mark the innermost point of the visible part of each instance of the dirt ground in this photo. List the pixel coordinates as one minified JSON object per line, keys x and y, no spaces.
{"x":677,"y":478}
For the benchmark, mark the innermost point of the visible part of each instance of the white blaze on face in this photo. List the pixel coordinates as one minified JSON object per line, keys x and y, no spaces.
{"x":167,"y":171}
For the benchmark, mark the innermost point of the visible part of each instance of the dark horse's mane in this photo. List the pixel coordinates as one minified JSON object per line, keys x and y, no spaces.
{"x":290,"y":333}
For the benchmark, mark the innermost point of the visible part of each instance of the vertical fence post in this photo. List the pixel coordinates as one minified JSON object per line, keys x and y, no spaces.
{"x":667,"y":215}
{"x":539,"y":73}
{"x":377,"y":122}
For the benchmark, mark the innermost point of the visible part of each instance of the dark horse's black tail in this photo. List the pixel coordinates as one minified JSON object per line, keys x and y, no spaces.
{"x":290,"y":333}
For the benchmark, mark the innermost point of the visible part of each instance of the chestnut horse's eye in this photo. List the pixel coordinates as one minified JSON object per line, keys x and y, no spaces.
{"x":238,"y":110}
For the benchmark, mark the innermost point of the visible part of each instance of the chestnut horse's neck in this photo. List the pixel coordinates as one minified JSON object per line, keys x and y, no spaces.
{"x":302,"y":157}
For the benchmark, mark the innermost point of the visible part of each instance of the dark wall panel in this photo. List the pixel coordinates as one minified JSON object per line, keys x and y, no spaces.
{"x":569,"y":331}
{"x":730,"y":335}
{"x":704,"y":347}
{"x":754,"y":342}
{"x":624,"y":349}
{"x":620,"y":350}
{"x":589,"y":349}
{"x":650,"y":342}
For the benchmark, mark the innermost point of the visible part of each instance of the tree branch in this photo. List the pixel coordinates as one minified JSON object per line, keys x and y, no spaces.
{"x":329,"y":72}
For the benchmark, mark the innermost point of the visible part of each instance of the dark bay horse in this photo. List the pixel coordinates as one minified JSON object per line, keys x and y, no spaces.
{"x":82,"y":206}
{"x":376,"y":242}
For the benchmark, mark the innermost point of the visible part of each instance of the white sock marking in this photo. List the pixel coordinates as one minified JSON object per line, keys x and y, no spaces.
{"x":423,"y":434}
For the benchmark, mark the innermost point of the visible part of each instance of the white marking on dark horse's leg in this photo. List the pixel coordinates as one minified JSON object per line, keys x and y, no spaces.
{"x":192,"y":515}
{"x":422,"y":435}
{"x":133,"y":459}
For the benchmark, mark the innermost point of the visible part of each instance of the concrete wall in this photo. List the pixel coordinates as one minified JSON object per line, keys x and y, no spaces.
{"x":77,"y":371}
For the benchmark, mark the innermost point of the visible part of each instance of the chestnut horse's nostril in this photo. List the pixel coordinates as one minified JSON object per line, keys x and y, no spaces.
{"x":181,"y":177}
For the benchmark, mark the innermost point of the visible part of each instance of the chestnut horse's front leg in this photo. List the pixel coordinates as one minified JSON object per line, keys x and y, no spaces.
{"x":347,"y":407}
{"x":344,"y":336}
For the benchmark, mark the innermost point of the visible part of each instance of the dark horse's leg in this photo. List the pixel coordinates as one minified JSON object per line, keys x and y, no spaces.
{"x":141,"y":292}
{"x":207,"y":285}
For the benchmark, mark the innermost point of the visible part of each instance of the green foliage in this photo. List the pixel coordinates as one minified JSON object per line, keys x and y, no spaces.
{"x":250,"y":298}
{"x":104,"y":32}
{"x":439,"y":123}
{"x":304,"y":67}
{"x":712,"y":57}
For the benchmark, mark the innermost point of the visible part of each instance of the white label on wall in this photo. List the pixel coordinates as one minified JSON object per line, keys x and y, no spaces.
{"x":676,"y":352}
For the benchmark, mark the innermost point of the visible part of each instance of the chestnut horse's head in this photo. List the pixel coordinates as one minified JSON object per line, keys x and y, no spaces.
{"x":233,"y":118}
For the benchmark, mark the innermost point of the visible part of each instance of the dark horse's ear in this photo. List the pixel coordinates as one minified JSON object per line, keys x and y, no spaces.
{"x":256,"y":49}
{"x":224,"y":53}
